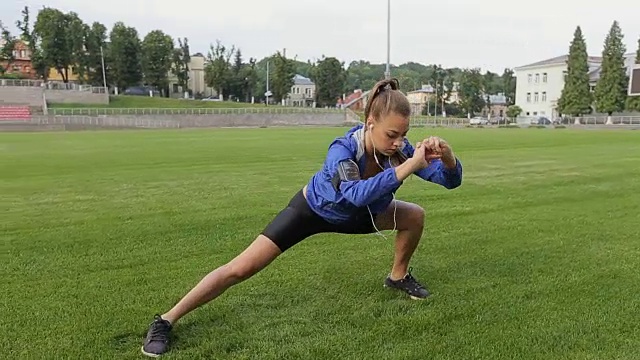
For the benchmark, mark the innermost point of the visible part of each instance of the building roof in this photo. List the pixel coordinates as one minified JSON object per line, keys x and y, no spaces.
{"x":428,"y":91}
{"x":301,"y":80}
{"x":354,"y":95}
{"x":629,"y":61}
{"x":558,"y":60}
{"x":498,"y":99}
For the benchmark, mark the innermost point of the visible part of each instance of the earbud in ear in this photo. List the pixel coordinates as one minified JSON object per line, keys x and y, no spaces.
{"x":370,"y":126}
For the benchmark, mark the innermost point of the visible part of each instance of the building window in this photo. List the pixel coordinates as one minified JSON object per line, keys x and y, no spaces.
{"x":564,"y":75}
{"x":544,"y":77}
{"x":529,"y":78}
{"x":537,"y":78}
{"x":535,"y":97}
{"x":544,"y":96}
{"x":528,"y":97}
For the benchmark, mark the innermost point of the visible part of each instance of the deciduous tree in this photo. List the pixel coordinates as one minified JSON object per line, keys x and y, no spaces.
{"x":217,"y":72}
{"x":283,"y":73}
{"x":157,"y":58}
{"x":125,"y":56}
{"x":96,"y":47}
{"x":30,"y":37}
{"x":330,"y":78}
{"x":471,"y":91}
{"x":180,"y":65}
{"x":6,"y":50}
{"x":61,"y":40}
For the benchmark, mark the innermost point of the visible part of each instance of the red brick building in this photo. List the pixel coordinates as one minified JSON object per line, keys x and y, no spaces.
{"x":22,"y":61}
{"x":357,"y":105}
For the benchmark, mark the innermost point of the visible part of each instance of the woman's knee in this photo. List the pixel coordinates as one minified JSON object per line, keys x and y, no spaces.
{"x":416,"y":217}
{"x":253,"y":259}
{"x":402,"y":216}
{"x":235,"y":273}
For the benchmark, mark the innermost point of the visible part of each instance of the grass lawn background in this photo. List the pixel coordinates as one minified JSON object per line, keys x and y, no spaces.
{"x":534,"y":257}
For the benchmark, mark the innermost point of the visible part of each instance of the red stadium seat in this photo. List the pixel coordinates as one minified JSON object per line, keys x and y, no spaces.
{"x":15,"y":113}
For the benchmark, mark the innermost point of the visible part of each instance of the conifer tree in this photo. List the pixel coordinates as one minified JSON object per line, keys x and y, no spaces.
{"x":576,"y":97}
{"x":612,"y":87}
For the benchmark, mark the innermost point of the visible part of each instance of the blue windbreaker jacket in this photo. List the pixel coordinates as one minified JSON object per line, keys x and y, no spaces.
{"x":376,"y":192}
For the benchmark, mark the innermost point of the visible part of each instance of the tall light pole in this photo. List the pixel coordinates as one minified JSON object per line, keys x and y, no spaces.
{"x":104,"y":75}
{"x":387,"y":73}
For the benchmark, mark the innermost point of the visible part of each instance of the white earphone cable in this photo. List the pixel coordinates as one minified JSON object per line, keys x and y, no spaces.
{"x":395,"y":204}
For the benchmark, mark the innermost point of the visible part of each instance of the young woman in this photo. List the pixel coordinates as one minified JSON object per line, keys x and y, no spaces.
{"x":353,"y":193}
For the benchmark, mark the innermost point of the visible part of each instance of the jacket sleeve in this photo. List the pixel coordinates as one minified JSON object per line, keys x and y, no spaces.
{"x":356,"y":190}
{"x":436,"y":172}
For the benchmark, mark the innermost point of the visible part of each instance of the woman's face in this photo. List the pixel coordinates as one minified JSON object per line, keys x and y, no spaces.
{"x":388,"y":134}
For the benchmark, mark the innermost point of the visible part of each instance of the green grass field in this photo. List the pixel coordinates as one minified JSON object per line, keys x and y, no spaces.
{"x":145,"y":102}
{"x":534,"y":257}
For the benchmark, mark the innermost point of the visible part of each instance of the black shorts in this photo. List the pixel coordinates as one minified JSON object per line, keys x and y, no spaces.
{"x":297,"y":222}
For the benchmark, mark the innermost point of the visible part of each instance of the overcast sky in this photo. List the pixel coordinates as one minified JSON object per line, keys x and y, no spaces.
{"x":490,"y":34}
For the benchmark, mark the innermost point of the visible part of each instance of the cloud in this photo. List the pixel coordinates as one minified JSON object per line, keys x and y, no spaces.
{"x":492,"y":34}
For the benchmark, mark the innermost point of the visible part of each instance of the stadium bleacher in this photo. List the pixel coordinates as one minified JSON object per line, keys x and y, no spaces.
{"x":15,"y":112}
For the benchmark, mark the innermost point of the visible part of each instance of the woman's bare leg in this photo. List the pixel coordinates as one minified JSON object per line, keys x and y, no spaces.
{"x":253,"y":259}
{"x":410,"y":224}
{"x":409,"y":221}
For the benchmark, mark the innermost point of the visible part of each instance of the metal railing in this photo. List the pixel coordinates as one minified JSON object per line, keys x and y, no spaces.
{"x":188,"y":111}
{"x":53,"y":85}
{"x":104,"y":122}
{"x":352,"y":116}
{"x":615,"y":120}
{"x":438,"y":121}
{"x":80,"y":121}
{"x":585,"y":120}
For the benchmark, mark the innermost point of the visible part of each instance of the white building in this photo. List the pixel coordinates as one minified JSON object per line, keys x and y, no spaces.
{"x":196,"y":82}
{"x":539,"y":85}
{"x":303,"y":92}
{"x":424,"y":97}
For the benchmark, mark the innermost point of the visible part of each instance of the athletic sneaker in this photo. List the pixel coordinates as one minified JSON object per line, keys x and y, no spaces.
{"x":409,"y":285}
{"x":155,"y":344}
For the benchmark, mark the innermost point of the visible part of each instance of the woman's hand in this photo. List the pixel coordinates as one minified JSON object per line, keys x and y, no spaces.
{"x":422,"y":156}
{"x":440,"y":149}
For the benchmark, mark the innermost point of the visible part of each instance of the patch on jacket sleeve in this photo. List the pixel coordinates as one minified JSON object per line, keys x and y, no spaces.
{"x":347,"y":171}
{"x":398,"y":158}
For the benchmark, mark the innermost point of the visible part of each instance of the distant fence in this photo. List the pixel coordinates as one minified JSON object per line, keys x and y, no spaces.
{"x":416,"y":120}
{"x":438,"y":121}
{"x":616,"y":120}
{"x":53,"y":85}
{"x":114,"y":122}
{"x":229,"y":119}
{"x":166,"y":114}
{"x":587,"y":120}
{"x":79,"y":122}
{"x":189,"y":111}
